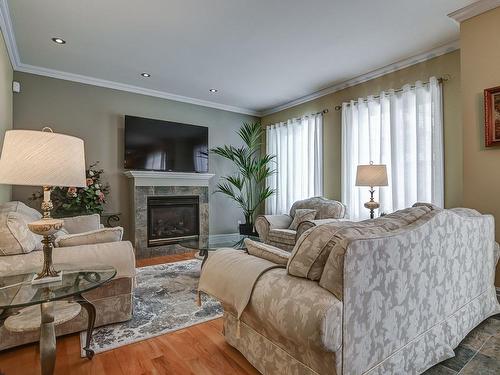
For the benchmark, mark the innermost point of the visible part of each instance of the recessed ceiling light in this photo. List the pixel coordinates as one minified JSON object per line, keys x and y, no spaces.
{"x":213,"y":90}
{"x":146,"y":75}
{"x":59,"y":40}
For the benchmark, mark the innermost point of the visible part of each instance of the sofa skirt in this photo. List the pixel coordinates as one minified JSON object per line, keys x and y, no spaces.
{"x":268,"y":357}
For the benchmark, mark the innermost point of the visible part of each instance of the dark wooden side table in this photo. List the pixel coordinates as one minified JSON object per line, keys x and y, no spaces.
{"x":18,"y":296}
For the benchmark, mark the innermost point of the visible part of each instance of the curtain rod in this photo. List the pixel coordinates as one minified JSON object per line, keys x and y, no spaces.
{"x":445,"y":78}
{"x":301,"y":117}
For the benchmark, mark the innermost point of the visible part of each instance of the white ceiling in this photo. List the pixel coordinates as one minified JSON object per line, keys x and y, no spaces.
{"x":259,"y":53}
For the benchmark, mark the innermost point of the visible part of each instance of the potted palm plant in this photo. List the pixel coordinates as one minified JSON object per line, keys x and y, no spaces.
{"x":247,"y":187}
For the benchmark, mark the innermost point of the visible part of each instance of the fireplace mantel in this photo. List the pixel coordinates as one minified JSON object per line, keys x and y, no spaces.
{"x":152,"y":178}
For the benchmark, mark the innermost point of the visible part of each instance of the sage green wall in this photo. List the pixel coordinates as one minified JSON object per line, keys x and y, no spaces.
{"x":439,"y":66}
{"x":5,"y":106}
{"x":95,"y":114}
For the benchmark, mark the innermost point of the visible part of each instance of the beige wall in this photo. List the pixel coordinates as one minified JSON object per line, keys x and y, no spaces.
{"x":5,"y":106}
{"x":439,"y":66}
{"x":480,"y":44}
{"x":95,"y":114}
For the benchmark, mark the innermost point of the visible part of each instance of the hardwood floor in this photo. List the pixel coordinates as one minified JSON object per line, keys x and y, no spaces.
{"x":197,"y":350}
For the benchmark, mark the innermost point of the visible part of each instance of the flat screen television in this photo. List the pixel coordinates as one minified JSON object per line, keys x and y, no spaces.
{"x":156,"y":145}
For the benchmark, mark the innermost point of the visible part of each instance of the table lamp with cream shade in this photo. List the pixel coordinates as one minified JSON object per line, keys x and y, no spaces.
{"x":43,"y":158}
{"x":371,"y":175}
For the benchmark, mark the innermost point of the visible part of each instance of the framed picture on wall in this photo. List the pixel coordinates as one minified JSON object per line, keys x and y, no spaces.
{"x":492,"y":116}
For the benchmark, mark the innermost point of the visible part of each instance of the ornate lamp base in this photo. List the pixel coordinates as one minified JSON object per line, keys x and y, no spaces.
{"x":46,"y":227}
{"x":371,"y":204}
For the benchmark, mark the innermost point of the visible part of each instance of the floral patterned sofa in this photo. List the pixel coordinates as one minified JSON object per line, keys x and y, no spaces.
{"x":392,"y":295}
{"x":20,"y":252}
{"x":275,"y":229}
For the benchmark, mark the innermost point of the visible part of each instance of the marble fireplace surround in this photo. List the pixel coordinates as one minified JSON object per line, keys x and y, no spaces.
{"x":144,"y":184}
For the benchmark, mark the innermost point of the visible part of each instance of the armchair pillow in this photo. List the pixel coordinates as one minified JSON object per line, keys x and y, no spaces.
{"x":15,"y":236}
{"x":93,"y":237}
{"x":267,"y":252}
{"x":81,"y":224}
{"x":301,"y":215}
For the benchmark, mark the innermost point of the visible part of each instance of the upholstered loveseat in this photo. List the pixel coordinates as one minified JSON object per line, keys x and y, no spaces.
{"x":275,"y":229}
{"x":392,"y":295}
{"x":20,"y":253}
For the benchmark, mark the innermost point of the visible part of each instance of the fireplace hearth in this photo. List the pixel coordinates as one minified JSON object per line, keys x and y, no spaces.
{"x":172,"y":219}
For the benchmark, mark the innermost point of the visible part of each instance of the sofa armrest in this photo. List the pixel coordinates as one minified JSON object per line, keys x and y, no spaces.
{"x":119,"y":255}
{"x":264,"y":223}
{"x":83,"y":223}
{"x":298,"y":309}
{"x":102,"y":235}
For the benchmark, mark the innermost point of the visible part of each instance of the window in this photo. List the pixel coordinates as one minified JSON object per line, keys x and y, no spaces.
{"x":297,"y":144}
{"x":404,"y":130}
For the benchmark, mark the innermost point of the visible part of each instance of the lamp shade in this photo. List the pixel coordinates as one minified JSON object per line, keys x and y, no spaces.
{"x":371,"y":175}
{"x":40,"y":158}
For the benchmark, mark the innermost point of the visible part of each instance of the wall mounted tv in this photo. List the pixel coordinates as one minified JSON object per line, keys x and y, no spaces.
{"x":166,"y":146}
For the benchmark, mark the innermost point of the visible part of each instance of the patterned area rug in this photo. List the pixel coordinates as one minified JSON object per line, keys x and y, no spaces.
{"x":164,"y":301}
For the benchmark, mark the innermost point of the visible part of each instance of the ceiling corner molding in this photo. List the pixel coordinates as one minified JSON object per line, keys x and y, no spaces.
{"x":17,"y":65}
{"x":474,"y":9}
{"x":449,"y":47}
{"x":8,"y":34}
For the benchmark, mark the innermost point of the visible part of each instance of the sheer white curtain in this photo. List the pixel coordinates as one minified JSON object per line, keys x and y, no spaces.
{"x":298,"y":146}
{"x":403,"y":130}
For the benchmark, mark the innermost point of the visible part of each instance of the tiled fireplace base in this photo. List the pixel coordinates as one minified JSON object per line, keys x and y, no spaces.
{"x":144,"y":184}
{"x":141,"y":194}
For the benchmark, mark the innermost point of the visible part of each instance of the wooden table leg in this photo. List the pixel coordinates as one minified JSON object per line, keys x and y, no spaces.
{"x":47,"y":338}
{"x":203,"y":253}
{"x":90,"y":308}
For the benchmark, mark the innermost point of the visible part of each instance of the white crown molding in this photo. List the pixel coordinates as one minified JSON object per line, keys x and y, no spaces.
{"x":449,"y":47}
{"x":474,"y":9}
{"x":129,"y":88}
{"x":17,"y":65}
{"x":8,"y":34}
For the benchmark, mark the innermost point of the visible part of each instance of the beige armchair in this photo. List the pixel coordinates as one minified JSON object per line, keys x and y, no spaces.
{"x":275,"y":229}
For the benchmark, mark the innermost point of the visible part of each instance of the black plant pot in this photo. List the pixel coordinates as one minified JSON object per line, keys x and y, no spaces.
{"x":247,"y":230}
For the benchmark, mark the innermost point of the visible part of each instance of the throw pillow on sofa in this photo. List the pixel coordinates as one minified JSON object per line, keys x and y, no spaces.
{"x":15,"y":236}
{"x":267,"y":252}
{"x":301,"y":215}
{"x":83,"y":223}
{"x":103,"y":235}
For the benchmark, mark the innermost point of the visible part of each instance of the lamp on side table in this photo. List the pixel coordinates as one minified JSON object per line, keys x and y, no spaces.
{"x":43,"y":158}
{"x":371,"y":175}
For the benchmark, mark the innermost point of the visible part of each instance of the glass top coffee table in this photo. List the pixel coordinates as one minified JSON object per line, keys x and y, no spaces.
{"x":17,"y":292}
{"x":213,"y":242}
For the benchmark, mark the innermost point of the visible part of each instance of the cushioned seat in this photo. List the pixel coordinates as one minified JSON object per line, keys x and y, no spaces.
{"x":284,"y":236}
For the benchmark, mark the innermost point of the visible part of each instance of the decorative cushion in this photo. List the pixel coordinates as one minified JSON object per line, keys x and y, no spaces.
{"x":301,"y":215}
{"x":268,"y":252}
{"x":313,"y":248}
{"x":104,"y":235}
{"x":81,"y":224}
{"x":286,"y":236}
{"x":332,"y":277}
{"x":15,"y":236}
{"x":16,"y":206}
